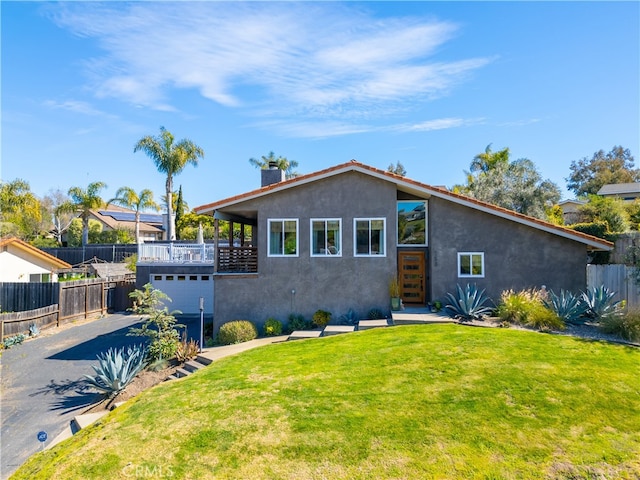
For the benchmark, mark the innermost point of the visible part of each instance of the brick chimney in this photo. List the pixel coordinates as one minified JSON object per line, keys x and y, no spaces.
{"x":272,"y":174}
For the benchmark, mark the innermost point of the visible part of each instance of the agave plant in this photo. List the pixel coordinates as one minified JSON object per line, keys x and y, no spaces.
{"x":117,"y":368}
{"x":599,"y":303}
{"x":469,"y":304}
{"x":567,"y":306}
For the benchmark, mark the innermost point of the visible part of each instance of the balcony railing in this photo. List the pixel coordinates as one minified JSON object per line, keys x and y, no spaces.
{"x":237,"y":260}
{"x":176,"y":253}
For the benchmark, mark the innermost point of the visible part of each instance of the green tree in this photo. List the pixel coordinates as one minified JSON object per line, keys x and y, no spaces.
{"x":398,"y":169}
{"x":83,"y":201}
{"x":283,"y":164}
{"x":75,"y":232}
{"x":139,"y":202}
{"x":588,"y":175}
{"x":610,"y":211}
{"x":20,"y":210}
{"x":179,"y":211}
{"x":515,"y":185}
{"x":170,"y":158}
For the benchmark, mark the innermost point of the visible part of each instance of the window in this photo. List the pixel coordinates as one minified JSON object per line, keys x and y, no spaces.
{"x":326,"y":237}
{"x":283,"y":238}
{"x":369,"y":236}
{"x":412,"y":222}
{"x":471,"y":264}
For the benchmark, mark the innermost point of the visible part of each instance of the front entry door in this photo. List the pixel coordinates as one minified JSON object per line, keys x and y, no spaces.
{"x":412,"y":277}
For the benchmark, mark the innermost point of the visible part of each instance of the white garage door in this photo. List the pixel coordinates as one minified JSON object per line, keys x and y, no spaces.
{"x":185,"y":291}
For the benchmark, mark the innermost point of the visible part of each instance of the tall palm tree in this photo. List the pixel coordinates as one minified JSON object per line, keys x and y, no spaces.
{"x":283,"y":164}
{"x":170,"y":158}
{"x":83,"y":201}
{"x":127,"y":197}
{"x":489,"y":160}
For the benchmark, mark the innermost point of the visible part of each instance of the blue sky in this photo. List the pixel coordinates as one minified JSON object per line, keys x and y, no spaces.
{"x":429,"y":84}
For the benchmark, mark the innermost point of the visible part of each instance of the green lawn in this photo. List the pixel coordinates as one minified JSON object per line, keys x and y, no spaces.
{"x":433,"y":401}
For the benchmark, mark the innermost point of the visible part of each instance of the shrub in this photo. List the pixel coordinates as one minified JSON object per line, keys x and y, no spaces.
{"x":599,"y":303}
{"x":567,"y":306}
{"x":469,"y":303}
{"x":116,"y":369}
{"x":272,"y":327}
{"x":160,"y":328}
{"x":14,"y":340}
{"x":375,"y":314}
{"x":625,"y":326}
{"x":237,"y":331}
{"x":298,"y":322}
{"x":158,"y":365}
{"x":349,"y":318}
{"x":515,"y":307}
{"x":187,"y":350}
{"x":527,"y":308}
{"x":321,"y":318}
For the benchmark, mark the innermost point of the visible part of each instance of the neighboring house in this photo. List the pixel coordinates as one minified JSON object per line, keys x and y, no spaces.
{"x":119,"y":218}
{"x":334,"y":239}
{"x":571,"y":210}
{"x":22,"y":262}
{"x":625,"y":191}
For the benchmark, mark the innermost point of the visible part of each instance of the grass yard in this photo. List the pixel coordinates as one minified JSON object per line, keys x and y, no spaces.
{"x":411,"y":402}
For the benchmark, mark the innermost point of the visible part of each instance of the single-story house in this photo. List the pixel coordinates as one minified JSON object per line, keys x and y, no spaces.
{"x":22,"y":262}
{"x":571,"y":210}
{"x":334,"y":239}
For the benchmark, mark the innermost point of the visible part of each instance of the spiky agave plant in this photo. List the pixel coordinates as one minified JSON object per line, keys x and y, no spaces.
{"x":117,"y":368}
{"x":599,"y":303}
{"x":567,"y":306}
{"x":469,"y":303}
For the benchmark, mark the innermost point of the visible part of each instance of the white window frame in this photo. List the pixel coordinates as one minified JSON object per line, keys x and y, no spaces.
{"x":383,"y":246}
{"x":471,"y":255}
{"x":282,"y":221}
{"x":327,"y":252}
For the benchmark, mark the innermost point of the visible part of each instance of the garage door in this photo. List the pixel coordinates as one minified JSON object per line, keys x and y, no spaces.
{"x":185,"y":291}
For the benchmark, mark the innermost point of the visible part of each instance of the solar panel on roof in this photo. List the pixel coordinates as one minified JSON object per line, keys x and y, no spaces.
{"x":131,"y":217}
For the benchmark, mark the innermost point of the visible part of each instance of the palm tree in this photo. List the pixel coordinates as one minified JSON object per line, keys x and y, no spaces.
{"x":489,"y":160}
{"x":170,"y":158}
{"x":282,"y":162}
{"x":127,"y":197}
{"x":83,"y":201}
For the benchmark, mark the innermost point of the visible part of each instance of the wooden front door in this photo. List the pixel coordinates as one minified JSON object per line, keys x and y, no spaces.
{"x":412,"y":278}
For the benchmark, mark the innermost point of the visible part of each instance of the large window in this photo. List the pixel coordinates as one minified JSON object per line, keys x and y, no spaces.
{"x":471,"y":264}
{"x":412,"y":222}
{"x":369,"y":236}
{"x":326,"y":237}
{"x":283,"y":238}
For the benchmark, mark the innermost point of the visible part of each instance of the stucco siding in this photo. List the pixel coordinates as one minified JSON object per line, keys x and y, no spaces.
{"x":333,"y":283}
{"x":515,"y":256}
{"x":17,"y":266}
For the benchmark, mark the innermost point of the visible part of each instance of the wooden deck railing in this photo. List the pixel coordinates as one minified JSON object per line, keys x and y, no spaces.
{"x":237,"y":260}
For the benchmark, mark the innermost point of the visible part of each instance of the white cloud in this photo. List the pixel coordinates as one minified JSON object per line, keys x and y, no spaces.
{"x":329,"y":62}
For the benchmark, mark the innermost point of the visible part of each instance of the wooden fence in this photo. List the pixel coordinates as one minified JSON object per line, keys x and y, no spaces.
{"x":618,"y":278}
{"x":77,"y":299}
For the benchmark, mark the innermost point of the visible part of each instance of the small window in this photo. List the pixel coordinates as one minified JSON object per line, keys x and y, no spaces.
{"x":34,"y":278}
{"x":369,"y":236}
{"x":157,"y":278}
{"x":471,"y":264}
{"x":326,"y":237}
{"x":181,"y":278}
{"x":193,"y":278}
{"x":204,"y":278}
{"x":169,"y":278}
{"x":283,"y":238}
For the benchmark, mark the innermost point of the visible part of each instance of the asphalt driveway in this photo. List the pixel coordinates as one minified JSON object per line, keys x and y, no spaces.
{"x":41,"y":387}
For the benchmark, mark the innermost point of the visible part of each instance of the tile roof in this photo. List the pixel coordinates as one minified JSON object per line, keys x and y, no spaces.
{"x":26,"y":247}
{"x":405,"y":183}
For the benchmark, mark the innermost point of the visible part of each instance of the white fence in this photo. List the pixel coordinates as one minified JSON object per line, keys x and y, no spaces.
{"x":175,"y":253}
{"x":618,"y":278}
